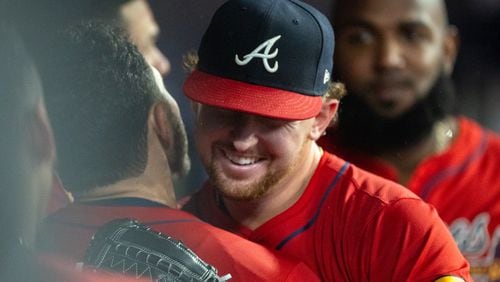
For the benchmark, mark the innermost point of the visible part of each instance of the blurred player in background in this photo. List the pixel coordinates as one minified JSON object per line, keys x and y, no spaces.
{"x":396,"y":59}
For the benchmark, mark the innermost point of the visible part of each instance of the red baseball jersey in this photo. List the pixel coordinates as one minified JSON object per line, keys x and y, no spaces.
{"x":463,"y":183}
{"x":68,"y":232}
{"x":350,"y":225}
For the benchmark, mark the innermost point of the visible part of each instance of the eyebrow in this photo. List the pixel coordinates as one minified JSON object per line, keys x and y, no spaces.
{"x":356,"y":23}
{"x":360,"y":23}
{"x":414,"y":24}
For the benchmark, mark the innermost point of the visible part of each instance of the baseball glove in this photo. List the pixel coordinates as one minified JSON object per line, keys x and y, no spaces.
{"x":127,"y":247}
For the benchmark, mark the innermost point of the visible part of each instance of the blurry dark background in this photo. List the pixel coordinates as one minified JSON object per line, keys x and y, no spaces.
{"x":477,"y":72}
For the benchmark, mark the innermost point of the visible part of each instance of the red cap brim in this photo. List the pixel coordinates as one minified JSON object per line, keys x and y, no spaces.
{"x":255,"y":99}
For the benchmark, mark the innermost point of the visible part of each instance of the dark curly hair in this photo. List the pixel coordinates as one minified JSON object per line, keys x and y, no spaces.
{"x":99,"y":90}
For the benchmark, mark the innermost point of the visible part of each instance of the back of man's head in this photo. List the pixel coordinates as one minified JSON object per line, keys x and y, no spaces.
{"x":99,"y":93}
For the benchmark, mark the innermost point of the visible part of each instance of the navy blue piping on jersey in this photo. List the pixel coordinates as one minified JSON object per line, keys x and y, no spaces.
{"x":316,"y":214}
{"x":429,"y":186}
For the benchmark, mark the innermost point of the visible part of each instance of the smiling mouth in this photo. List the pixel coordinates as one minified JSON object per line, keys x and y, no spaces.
{"x":239,"y":160}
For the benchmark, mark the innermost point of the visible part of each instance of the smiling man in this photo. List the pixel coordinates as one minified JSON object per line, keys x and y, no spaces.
{"x":262,"y":97}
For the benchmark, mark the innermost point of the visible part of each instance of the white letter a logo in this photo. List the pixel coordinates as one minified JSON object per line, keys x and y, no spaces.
{"x":267,"y":45}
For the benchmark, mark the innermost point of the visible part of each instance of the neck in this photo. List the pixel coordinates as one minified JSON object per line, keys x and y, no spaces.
{"x":280,"y":197}
{"x":137,"y":187}
{"x":154,"y":184}
{"x":406,"y":159}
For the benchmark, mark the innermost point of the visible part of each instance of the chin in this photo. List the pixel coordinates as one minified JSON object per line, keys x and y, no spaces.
{"x":238,"y":190}
{"x":241,"y":189}
{"x":241,"y":194}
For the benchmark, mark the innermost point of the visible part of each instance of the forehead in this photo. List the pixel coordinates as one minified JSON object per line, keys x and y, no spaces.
{"x":386,"y":13}
{"x":235,"y":115}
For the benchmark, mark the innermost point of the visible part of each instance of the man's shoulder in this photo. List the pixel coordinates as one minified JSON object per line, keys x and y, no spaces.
{"x":360,"y":181}
{"x":479,"y":140}
{"x":368,"y":206}
{"x":470,"y":127}
{"x":85,"y":218}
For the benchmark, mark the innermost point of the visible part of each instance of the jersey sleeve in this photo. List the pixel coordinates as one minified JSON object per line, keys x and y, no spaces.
{"x":407,"y":241}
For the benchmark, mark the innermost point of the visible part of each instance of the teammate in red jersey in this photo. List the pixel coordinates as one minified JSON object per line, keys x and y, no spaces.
{"x":396,"y":58}
{"x":121,"y":142}
{"x":28,"y":155}
{"x":262,"y":96}
{"x":135,"y":16}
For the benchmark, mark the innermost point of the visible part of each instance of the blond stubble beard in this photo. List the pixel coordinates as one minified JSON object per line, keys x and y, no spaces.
{"x":257,"y":189}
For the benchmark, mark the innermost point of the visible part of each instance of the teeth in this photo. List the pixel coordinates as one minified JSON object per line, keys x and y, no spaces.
{"x":241,"y":160}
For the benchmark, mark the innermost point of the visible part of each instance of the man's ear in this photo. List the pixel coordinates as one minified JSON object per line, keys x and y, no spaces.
{"x":451,"y":45}
{"x":42,"y":136}
{"x":158,"y":122}
{"x":324,"y":118}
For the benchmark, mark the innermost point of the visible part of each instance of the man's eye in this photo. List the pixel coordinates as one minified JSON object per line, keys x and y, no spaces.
{"x":414,"y":35}
{"x":273,"y":123}
{"x":220,"y":115}
{"x":359,"y":37}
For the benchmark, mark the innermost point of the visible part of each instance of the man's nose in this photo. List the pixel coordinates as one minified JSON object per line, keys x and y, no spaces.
{"x":245,"y":134}
{"x":390,"y":55}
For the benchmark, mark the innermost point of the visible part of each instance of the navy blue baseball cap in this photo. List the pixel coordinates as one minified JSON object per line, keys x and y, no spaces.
{"x":267,"y":57}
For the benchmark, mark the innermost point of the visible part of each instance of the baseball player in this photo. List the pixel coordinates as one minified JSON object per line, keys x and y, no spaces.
{"x":28,"y":156}
{"x":135,"y":16}
{"x":262,"y":96}
{"x":396,"y":58}
{"x":121,"y":139}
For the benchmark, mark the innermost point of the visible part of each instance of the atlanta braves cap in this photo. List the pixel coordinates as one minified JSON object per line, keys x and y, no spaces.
{"x":267,"y":57}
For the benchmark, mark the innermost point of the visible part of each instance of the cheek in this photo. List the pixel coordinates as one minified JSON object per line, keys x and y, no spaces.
{"x":425,"y":61}
{"x":283,"y":145}
{"x":202,"y":136}
{"x":205,"y":137}
{"x":427,"y":66}
{"x":353,"y":66}
{"x":202,"y":143}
